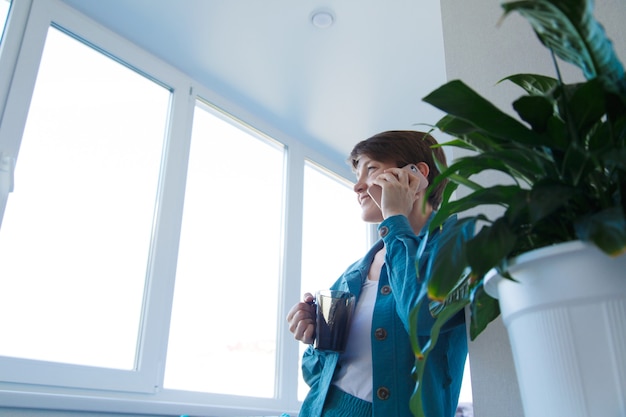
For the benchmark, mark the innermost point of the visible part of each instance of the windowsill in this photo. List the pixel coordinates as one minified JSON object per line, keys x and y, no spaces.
{"x":165,"y":402}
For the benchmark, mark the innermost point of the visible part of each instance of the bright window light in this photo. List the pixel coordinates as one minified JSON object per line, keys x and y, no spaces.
{"x":76,"y":233}
{"x":4,"y":13}
{"x":224,"y":319}
{"x":333,"y":235}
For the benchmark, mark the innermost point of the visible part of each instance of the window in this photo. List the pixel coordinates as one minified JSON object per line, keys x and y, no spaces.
{"x":333,"y":235}
{"x":332,"y":228}
{"x":145,"y":246}
{"x":224,"y":318}
{"x":76,"y":232}
{"x":4,"y":13}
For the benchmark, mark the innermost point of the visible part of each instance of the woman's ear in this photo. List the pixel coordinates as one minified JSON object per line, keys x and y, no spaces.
{"x":424,"y":168}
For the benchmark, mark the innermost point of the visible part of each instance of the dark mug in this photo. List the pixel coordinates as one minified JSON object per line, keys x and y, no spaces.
{"x":333,"y":317}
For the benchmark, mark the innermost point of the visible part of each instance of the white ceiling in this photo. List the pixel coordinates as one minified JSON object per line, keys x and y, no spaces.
{"x":329,"y":87}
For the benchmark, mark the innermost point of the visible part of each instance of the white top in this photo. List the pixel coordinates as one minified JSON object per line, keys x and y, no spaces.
{"x":354,"y":371}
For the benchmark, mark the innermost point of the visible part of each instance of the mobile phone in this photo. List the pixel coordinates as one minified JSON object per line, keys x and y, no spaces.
{"x":423,"y":180}
{"x":376,"y":191}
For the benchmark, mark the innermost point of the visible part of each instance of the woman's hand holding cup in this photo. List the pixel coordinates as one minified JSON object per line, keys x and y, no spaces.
{"x":301,"y":319}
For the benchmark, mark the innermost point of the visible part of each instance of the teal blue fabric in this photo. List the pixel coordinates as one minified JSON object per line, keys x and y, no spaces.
{"x":341,"y":404}
{"x":393,"y":358}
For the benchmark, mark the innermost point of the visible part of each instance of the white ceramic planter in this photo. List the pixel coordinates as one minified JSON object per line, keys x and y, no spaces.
{"x":566,"y":320}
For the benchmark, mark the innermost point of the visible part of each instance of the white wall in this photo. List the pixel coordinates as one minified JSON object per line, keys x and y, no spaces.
{"x":481,"y":53}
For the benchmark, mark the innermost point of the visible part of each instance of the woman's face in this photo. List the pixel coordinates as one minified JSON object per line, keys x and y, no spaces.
{"x":366,"y":170}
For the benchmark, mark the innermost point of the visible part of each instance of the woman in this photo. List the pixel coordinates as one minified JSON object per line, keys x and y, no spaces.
{"x":373,"y":376}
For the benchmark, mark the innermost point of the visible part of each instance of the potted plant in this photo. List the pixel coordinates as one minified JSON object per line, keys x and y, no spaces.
{"x":565,"y":205}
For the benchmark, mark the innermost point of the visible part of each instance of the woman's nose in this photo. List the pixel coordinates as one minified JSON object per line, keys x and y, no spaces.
{"x":359,"y":187}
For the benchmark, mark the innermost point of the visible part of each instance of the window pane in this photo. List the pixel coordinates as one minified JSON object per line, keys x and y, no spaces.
{"x":4,"y":13}
{"x":224,"y":319}
{"x":75,"y":237}
{"x":334,"y":236}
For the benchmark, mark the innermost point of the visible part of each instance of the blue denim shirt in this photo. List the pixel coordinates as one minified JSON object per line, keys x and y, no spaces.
{"x":393,"y":358}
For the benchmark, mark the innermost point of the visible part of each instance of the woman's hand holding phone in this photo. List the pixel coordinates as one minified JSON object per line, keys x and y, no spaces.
{"x":423,"y":181}
{"x":395,"y":192}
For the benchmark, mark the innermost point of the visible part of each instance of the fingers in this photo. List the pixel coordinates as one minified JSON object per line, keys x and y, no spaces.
{"x":394,"y":177}
{"x":408,"y":175}
{"x":305,"y":331}
{"x":308,"y":300}
{"x":301,"y":320}
{"x":399,"y":191}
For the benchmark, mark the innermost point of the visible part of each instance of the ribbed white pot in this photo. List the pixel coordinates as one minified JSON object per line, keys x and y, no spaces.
{"x":566,"y":320}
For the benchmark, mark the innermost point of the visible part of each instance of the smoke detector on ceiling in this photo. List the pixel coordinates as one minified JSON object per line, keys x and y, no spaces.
{"x":322,"y":19}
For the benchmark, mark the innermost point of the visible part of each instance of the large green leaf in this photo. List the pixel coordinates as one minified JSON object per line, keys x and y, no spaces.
{"x":489,"y":246}
{"x":457,"y":143}
{"x":483,"y":310}
{"x":422,"y":352}
{"x":569,"y":29}
{"x":473,"y":137}
{"x":546,"y":197}
{"x":496,"y":195}
{"x":457,"y":99}
{"x":586,"y":106}
{"x":535,"y":110}
{"x":534,"y":84}
{"x":448,"y":264}
{"x":519,"y":163}
{"x":516,"y":163}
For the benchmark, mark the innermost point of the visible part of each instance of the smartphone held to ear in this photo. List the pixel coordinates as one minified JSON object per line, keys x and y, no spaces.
{"x":376,"y":191}
{"x":415,"y":171}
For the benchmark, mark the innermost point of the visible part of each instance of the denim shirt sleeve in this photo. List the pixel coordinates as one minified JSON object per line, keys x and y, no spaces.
{"x":402,"y":246}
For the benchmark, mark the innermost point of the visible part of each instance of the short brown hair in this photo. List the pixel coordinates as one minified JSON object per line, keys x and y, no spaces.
{"x":404,"y":147}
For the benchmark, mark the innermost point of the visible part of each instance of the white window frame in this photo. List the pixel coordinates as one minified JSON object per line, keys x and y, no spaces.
{"x":46,"y":385}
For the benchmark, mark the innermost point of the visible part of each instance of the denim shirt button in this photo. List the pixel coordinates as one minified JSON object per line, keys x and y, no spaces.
{"x":383,"y":231}
{"x":380,"y":334}
{"x":385,"y":290}
{"x":383,"y":393}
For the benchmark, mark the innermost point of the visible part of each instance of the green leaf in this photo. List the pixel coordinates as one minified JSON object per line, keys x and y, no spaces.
{"x":483,"y":310}
{"x":457,"y":143}
{"x":586,"y":106}
{"x":458,"y":293}
{"x":574,"y":163}
{"x":422,"y":352}
{"x":489,"y":246}
{"x":519,"y":163}
{"x":448,"y":263}
{"x":534,"y":84}
{"x":496,"y":195}
{"x":472,"y":137}
{"x":535,"y":110}
{"x":570,"y":30}
{"x":546,"y":197}
{"x":457,"y":99}
{"x":607,"y":229}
